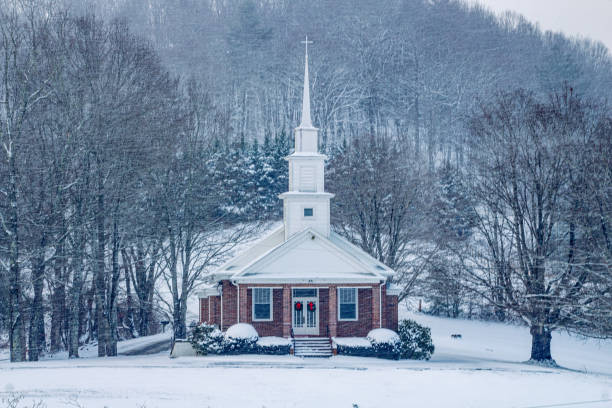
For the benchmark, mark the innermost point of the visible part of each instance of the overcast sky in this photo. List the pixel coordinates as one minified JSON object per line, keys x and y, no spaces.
{"x":587,"y":18}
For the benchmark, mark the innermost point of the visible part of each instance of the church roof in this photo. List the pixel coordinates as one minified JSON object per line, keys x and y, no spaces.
{"x":306,"y":257}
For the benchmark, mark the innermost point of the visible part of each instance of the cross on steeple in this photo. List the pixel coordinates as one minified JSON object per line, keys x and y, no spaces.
{"x":306,"y":42}
{"x":306,"y":121}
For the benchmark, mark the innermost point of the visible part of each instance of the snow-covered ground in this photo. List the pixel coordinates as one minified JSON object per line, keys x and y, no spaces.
{"x":482,"y":369}
{"x":491,"y":343}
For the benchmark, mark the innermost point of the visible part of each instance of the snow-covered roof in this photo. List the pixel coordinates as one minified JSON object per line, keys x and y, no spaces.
{"x":306,"y":257}
{"x":362,"y":255}
{"x":261,"y":247}
{"x":210,"y":290}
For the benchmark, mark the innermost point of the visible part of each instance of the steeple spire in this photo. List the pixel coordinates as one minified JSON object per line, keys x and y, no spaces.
{"x":306,"y":204}
{"x":306,"y":121}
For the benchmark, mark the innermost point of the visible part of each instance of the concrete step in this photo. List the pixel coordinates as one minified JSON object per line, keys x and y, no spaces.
{"x":312,"y":347}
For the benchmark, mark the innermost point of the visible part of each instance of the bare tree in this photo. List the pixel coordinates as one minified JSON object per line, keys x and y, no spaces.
{"x":524,"y":151}
{"x":379,"y":203}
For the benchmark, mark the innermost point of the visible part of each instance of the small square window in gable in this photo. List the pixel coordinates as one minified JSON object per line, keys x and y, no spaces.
{"x":308,"y":212}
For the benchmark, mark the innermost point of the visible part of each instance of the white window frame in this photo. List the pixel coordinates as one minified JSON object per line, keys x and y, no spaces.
{"x":271,"y":303}
{"x":356,"y":289}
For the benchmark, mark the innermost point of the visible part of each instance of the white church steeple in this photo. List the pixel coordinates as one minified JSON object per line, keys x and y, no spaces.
{"x":306,"y":204}
{"x":306,"y":121}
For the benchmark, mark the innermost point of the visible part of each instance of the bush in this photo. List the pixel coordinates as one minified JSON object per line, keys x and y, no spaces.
{"x":207,"y":339}
{"x":239,"y":339}
{"x":273,"y":345}
{"x":385,"y":343}
{"x":415,"y":341}
{"x":358,"y":351}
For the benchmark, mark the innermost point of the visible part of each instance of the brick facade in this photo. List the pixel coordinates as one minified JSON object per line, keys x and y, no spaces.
{"x":363,"y":324}
{"x":210,"y":310}
{"x":369,"y":310}
{"x":271,"y":328}
{"x":229,"y":298}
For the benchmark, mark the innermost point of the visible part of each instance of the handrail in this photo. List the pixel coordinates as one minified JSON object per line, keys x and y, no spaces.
{"x":293,"y":340}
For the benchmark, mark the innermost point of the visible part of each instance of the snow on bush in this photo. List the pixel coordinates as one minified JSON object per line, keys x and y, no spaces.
{"x":412,"y":341}
{"x":242,"y":331}
{"x":273,"y":345}
{"x":351,"y":342}
{"x":385,"y":343}
{"x":239,"y":339}
{"x":353,"y":346}
{"x":383,"y":336}
{"x":273,"y":341}
{"x":415,"y":341}
{"x":207,"y":339}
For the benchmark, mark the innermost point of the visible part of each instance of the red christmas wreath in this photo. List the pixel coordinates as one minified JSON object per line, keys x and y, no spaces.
{"x":311,"y":306}
{"x":298,"y":306}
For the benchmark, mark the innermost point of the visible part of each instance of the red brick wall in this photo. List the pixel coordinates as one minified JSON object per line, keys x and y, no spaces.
{"x":323,"y":311}
{"x":390,"y":312}
{"x":274,"y":327}
{"x":212,"y":316}
{"x":359,"y":328}
{"x":363,"y":325}
{"x":204,"y":310}
{"x":230,"y":304}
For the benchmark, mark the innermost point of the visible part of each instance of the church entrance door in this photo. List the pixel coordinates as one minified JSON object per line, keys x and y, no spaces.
{"x":305,"y":307}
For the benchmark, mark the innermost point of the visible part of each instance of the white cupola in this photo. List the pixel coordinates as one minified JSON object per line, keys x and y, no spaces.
{"x":306,"y":204}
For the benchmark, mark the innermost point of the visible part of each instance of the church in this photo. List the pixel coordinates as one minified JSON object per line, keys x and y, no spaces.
{"x":303,"y":279}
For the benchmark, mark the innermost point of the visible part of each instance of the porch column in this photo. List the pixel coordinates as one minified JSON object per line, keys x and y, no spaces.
{"x":286,"y":311}
{"x":333,"y":311}
{"x":376,"y":306}
{"x":243,"y":304}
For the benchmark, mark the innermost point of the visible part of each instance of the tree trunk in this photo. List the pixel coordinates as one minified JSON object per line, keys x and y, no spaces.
{"x":75,"y":292}
{"x":37,"y":325}
{"x":16,"y":315}
{"x":101,"y":315}
{"x":540,"y":343}
{"x":58,"y":299}
{"x":111,"y":347}
{"x":128,"y":292}
{"x":75,"y":305}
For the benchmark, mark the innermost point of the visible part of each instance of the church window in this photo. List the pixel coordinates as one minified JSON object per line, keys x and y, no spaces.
{"x":262,"y":304}
{"x":308,"y":212}
{"x":347,"y":303}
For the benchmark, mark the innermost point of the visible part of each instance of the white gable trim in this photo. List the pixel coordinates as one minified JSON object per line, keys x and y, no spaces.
{"x":386,"y":272}
{"x":260,"y":263}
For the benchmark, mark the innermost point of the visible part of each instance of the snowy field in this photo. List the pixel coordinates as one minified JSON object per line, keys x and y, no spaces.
{"x":482,"y":369}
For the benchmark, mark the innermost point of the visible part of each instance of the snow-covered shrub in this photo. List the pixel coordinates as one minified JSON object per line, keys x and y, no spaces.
{"x":385,"y":343}
{"x":207,"y":339}
{"x":415,"y":341}
{"x":353,"y":346}
{"x":242,"y":331}
{"x":273,"y":345}
{"x":240,"y":338}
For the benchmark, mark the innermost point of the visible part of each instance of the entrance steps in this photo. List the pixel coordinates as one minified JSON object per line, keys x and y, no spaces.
{"x":312,"y":347}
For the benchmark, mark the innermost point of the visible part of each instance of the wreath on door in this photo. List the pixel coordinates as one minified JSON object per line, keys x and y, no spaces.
{"x":298,"y":306}
{"x":311,"y":306}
